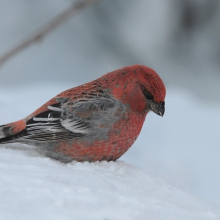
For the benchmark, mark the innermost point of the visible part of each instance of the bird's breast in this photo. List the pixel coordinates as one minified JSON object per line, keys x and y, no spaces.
{"x":114,"y":144}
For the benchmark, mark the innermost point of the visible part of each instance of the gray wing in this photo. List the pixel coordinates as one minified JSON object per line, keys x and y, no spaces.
{"x":89,"y":119}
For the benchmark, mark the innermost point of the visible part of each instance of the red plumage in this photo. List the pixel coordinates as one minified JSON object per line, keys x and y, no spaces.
{"x":99,"y":120}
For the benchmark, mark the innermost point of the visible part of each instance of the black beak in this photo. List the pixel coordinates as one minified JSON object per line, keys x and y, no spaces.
{"x":158,"y":108}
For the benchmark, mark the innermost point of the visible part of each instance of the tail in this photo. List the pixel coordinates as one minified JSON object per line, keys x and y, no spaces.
{"x":10,"y":132}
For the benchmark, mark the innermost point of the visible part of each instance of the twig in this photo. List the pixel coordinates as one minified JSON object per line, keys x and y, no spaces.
{"x":47,"y":28}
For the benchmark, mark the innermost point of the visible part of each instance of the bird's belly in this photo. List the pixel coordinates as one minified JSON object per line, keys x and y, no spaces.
{"x":118,"y":140}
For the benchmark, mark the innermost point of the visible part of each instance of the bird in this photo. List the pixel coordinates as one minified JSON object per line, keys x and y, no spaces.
{"x":96,"y":121}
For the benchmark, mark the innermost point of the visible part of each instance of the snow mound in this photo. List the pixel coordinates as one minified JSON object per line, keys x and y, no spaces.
{"x":34,"y":187}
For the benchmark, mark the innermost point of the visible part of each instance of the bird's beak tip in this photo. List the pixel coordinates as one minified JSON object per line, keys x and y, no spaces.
{"x":159,"y":108}
{"x":161,"y":114}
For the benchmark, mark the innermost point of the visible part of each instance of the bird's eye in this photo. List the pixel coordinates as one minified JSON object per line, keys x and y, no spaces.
{"x":147,"y":94}
{"x":149,"y":97}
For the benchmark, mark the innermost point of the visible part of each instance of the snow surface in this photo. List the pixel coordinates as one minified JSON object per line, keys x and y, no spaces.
{"x":182,"y":146}
{"x":39,"y":188}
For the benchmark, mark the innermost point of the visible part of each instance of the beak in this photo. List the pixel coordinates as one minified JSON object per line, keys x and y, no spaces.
{"x":158,"y":108}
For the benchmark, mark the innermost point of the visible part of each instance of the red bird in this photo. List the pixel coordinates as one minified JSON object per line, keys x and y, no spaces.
{"x":99,"y":120}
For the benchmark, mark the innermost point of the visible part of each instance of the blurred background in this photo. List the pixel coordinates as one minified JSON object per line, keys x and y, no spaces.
{"x":180,"y":39}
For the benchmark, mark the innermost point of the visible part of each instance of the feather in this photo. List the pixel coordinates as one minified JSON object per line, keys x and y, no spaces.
{"x":84,"y":118}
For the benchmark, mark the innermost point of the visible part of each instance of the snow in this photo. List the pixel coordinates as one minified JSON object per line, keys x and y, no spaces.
{"x":39,"y":188}
{"x":174,"y":157}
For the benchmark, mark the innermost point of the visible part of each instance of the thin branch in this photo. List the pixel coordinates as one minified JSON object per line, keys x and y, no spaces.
{"x":47,"y":28}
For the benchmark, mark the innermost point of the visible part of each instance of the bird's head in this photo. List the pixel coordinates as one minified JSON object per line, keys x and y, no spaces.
{"x":152,"y":88}
{"x":140,"y":87}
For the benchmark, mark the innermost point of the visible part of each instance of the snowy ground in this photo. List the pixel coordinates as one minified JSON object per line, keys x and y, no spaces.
{"x":182,"y":147}
{"x":39,"y":188}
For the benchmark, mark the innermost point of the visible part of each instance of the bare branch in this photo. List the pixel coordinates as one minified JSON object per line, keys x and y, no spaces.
{"x":47,"y":28}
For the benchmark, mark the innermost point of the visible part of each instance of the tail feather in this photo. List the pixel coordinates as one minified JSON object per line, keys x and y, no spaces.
{"x":8,"y":132}
{"x":3,"y":131}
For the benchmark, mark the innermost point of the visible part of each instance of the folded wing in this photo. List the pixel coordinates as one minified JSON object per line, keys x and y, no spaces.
{"x":89,"y":119}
